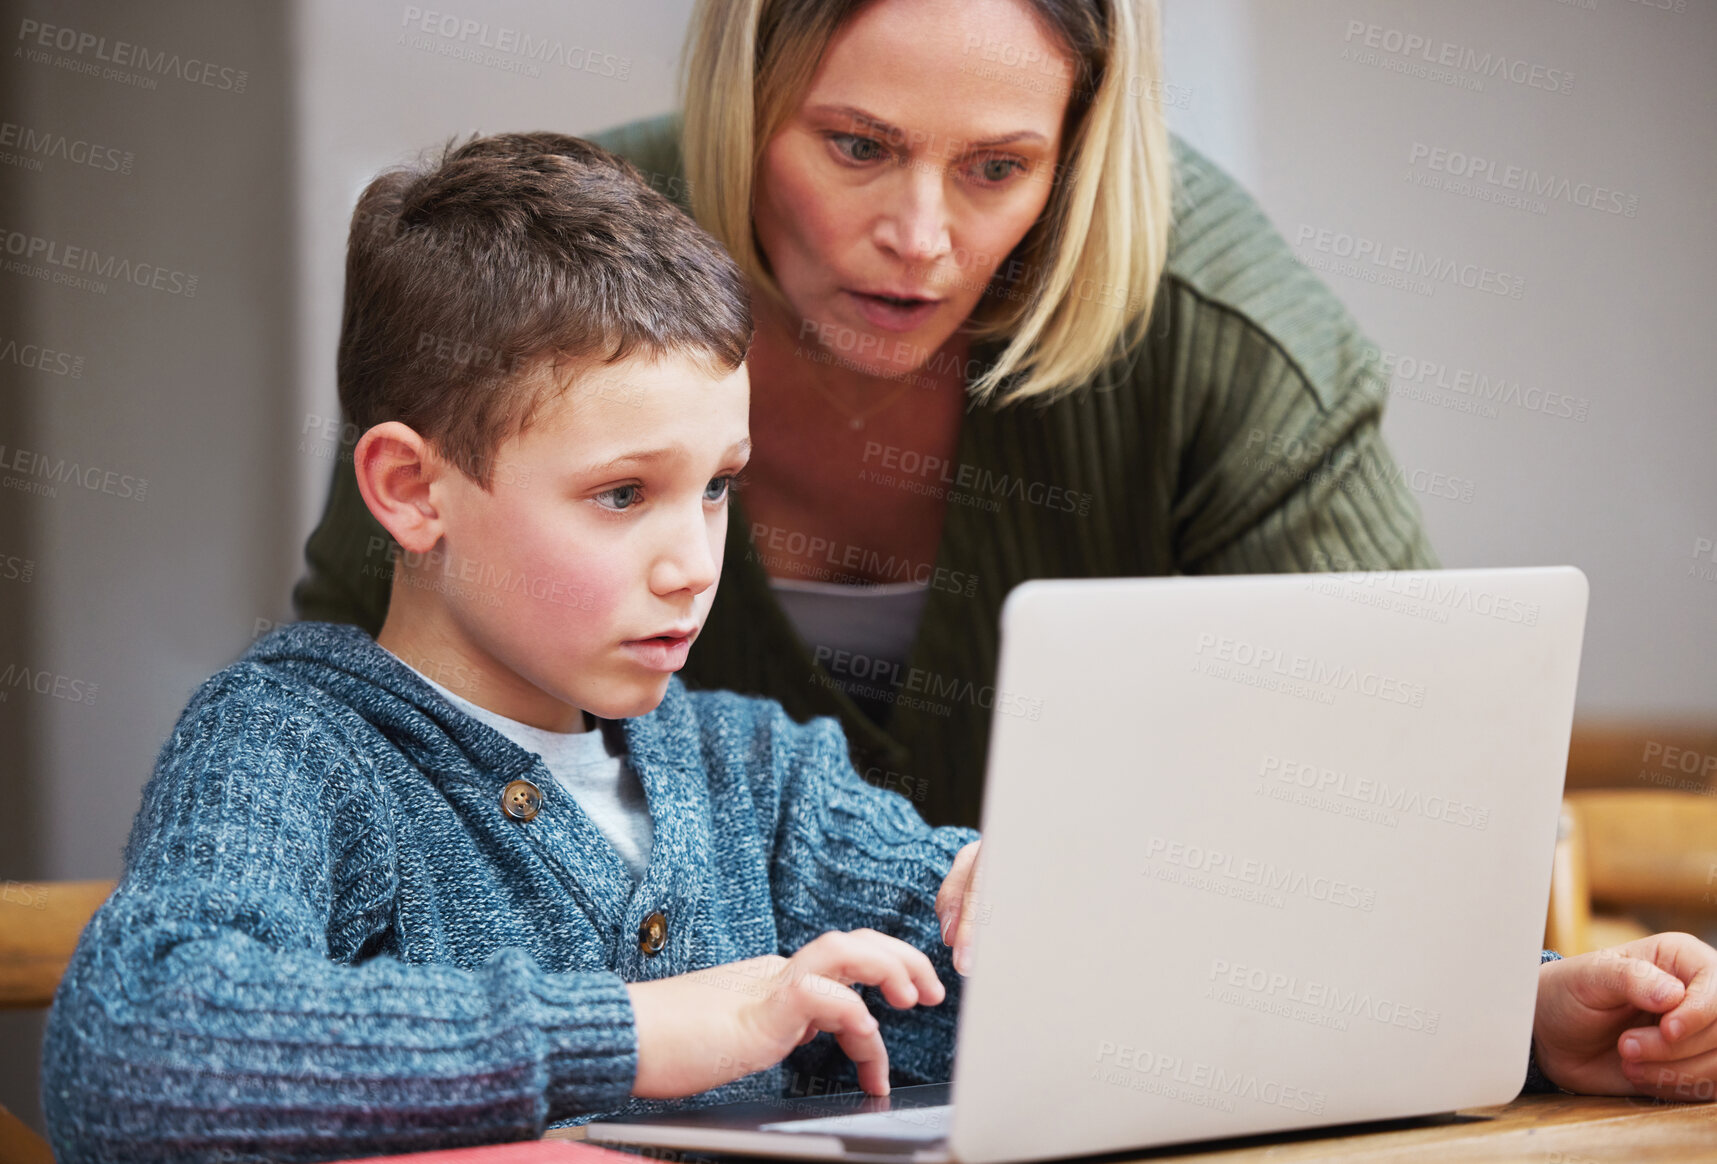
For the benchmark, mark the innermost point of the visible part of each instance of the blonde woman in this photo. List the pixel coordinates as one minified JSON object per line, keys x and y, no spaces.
{"x":981,"y":355}
{"x":1007,"y":329}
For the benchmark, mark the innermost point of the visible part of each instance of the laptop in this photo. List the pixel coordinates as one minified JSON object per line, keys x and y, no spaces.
{"x":1261,"y":853}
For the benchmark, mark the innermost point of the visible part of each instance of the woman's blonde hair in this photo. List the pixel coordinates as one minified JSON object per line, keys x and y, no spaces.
{"x":1103,"y":237}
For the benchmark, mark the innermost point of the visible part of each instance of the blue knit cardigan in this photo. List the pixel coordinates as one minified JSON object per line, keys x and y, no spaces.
{"x":330,"y":941}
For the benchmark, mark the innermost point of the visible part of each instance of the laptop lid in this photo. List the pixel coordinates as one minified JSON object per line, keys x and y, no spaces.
{"x":1262,"y":853}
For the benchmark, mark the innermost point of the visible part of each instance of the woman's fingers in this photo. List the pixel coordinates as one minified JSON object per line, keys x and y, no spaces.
{"x":1650,"y":1043}
{"x":1671,"y":975}
{"x":1606,"y":979}
{"x":1696,"y":1013}
{"x":1692,"y":1079}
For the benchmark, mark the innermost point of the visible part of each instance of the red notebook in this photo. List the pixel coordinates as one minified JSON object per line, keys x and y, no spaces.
{"x":518,"y":1152}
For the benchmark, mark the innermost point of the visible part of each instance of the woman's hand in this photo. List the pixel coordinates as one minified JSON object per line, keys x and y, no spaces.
{"x":700,"y":1030}
{"x":1635,"y":1019}
{"x":953,"y":906}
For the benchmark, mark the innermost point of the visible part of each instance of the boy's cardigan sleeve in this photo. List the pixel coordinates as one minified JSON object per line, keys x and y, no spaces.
{"x":849,"y":855}
{"x":203,"y":1015}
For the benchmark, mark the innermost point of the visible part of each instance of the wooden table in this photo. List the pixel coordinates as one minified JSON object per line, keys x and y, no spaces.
{"x":1545,"y":1129}
{"x":1540,"y":1129}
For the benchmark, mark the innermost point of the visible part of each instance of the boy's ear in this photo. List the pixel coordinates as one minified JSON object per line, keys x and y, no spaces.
{"x":395,"y":468}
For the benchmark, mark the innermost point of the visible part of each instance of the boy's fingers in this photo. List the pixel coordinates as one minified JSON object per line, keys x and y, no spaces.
{"x":857,"y":963}
{"x":968,"y":922}
{"x":955,"y":890}
{"x":908,"y":961}
{"x":862,"y":1042}
{"x":963,"y":940}
{"x":842,"y":1013}
{"x":872,"y":1064}
{"x":903,"y":974}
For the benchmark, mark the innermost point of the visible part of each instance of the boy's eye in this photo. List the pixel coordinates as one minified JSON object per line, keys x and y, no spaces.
{"x":625,"y":496}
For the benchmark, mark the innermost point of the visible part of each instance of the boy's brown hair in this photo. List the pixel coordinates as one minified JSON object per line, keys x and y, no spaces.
{"x":510,"y":255}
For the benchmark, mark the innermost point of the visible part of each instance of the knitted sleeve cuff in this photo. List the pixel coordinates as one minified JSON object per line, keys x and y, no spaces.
{"x":592,"y":1051}
{"x":1536,"y":1080}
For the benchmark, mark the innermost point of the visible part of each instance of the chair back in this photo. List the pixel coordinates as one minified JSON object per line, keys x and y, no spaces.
{"x":39,"y":926}
{"x":40,"y":922}
{"x":1621,"y":850}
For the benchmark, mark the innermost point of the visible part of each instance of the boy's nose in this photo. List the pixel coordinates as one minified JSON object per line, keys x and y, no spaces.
{"x":687,"y":562}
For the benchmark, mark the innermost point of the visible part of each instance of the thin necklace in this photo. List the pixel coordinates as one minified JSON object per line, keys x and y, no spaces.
{"x":855,"y":420}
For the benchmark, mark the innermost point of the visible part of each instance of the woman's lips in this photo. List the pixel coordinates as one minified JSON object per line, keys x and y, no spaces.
{"x":660,"y":653}
{"x":891,"y":315}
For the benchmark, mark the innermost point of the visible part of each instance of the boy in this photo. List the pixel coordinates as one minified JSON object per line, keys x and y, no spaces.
{"x":395,"y":894}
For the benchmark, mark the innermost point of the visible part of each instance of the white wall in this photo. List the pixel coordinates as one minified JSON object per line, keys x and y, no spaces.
{"x":158,"y":533}
{"x":1615,"y":317}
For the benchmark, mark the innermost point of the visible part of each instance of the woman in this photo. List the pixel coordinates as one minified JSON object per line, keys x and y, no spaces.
{"x":1058,"y":387}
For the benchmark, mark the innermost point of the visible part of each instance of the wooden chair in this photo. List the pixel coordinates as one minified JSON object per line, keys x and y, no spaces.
{"x":1643,"y":754}
{"x":39,"y":926}
{"x":1624,"y":849}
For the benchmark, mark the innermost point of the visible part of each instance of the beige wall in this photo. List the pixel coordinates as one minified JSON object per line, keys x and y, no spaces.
{"x":144,"y":574}
{"x":1614,"y":324}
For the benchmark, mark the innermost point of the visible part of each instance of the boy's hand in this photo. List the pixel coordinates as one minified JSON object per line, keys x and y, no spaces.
{"x":700,"y":1030}
{"x":953,"y":902}
{"x":1635,"y":1019}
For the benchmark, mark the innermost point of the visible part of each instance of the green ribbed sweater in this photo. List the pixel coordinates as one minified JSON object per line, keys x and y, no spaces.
{"x":1241,"y":436}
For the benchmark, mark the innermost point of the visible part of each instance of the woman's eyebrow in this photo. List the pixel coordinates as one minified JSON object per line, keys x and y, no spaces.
{"x":895,"y":133}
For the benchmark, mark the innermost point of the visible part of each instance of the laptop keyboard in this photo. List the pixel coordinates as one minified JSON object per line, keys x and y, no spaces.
{"x":915,"y":1124}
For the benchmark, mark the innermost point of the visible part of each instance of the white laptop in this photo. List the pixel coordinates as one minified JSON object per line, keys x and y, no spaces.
{"x":1260,"y":854}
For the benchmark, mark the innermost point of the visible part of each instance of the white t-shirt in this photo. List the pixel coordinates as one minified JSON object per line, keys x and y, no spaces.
{"x":876,"y":625}
{"x":879,"y":621}
{"x":601,"y":781}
